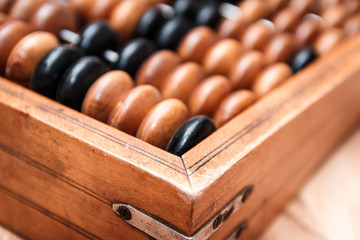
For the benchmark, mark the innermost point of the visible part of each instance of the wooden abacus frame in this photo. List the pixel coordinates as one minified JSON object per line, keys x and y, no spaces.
{"x":62,"y":171}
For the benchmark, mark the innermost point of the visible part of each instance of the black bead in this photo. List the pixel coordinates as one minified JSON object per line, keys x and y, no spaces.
{"x":150,"y":22}
{"x":134,"y":54}
{"x":50,"y":69}
{"x":98,"y":37}
{"x":77,"y":80}
{"x":302,"y":59}
{"x":188,"y":8}
{"x":208,"y":15}
{"x":171,"y":33}
{"x":192,"y":132}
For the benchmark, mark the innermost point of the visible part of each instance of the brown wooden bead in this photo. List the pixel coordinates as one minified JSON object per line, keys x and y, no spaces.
{"x":352,"y":6}
{"x":3,"y":18}
{"x":102,"y":9}
{"x":82,"y":8}
{"x":221,"y":56}
{"x":274,"y":5}
{"x":196,"y":43}
{"x":271,"y":77}
{"x":327,"y":40}
{"x":306,"y":31}
{"x":280,"y":48}
{"x":155,"y":69}
{"x":257,"y":35}
{"x":231,"y":28}
{"x":246,"y":68}
{"x":26,"y":54}
{"x":352,"y":25}
{"x":286,"y":20}
{"x":126,"y":15}
{"x":105,"y":93}
{"x":53,"y":17}
{"x":254,"y":10}
{"x":334,"y":15}
{"x":232,"y":105}
{"x":162,"y":121}
{"x":24,"y":9}
{"x":302,"y":7}
{"x":5,"y":5}
{"x":182,"y":81}
{"x":130,"y":110}
{"x":207,"y":96}
{"x":11,"y":33}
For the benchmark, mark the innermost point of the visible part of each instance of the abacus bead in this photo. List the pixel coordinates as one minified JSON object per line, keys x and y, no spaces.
{"x":196,"y":43}
{"x":325,"y":41}
{"x":334,"y":15}
{"x":3,"y":18}
{"x":192,"y":132}
{"x":50,"y":69}
{"x":150,"y":22}
{"x":232,"y":105}
{"x":246,"y":68}
{"x":271,"y":77}
{"x":304,"y":57}
{"x":172,"y":31}
{"x":11,"y":33}
{"x":98,"y":37}
{"x":257,"y":35}
{"x":134,"y":54}
{"x":187,"y":8}
{"x":105,"y":93}
{"x":221,"y":56}
{"x":207,"y":96}
{"x":254,"y":10}
{"x":307,"y":30}
{"x":24,"y":9}
{"x":280,"y":48}
{"x":5,"y":5}
{"x":53,"y":17}
{"x":286,"y":20}
{"x":82,"y":8}
{"x":208,"y":15}
{"x":352,"y":25}
{"x":231,"y":28}
{"x":302,"y":6}
{"x":101,"y":9}
{"x":126,"y":16}
{"x":77,"y":80}
{"x":131,"y":110}
{"x":155,"y":69}
{"x":162,"y":121}
{"x":182,"y":81}
{"x":27,"y":53}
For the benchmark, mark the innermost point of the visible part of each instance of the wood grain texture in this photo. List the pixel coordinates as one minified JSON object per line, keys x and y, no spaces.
{"x":75,"y":166}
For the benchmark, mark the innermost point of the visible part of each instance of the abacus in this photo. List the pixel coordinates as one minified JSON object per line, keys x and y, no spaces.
{"x":176,"y":119}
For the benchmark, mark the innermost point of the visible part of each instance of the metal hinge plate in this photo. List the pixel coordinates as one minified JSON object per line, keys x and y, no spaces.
{"x":158,"y":230}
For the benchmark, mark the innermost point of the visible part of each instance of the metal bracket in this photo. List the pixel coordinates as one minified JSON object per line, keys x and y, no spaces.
{"x":158,"y":230}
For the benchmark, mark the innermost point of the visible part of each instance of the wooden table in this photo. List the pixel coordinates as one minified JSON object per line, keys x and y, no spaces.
{"x":326,"y":208}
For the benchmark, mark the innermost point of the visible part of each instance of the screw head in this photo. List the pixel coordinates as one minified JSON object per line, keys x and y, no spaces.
{"x":124,"y":213}
{"x":217,"y":221}
{"x":247,"y":193}
{"x":240,"y":229}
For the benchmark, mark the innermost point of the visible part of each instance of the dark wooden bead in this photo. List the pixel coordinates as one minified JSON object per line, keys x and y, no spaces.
{"x":187,"y":8}
{"x":302,"y":59}
{"x":134,"y":54}
{"x":171,"y":33}
{"x":208,"y":15}
{"x":77,"y":80}
{"x":98,"y":37}
{"x":50,"y":69}
{"x":192,"y":132}
{"x":149,"y":24}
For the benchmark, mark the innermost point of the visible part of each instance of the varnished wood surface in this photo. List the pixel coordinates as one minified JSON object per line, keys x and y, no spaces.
{"x":63,"y":169}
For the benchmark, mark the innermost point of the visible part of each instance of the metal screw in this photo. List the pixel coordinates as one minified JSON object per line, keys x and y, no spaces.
{"x":124,"y":213}
{"x":217,"y":221}
{"x":228,"y":213}
{"x":247,"y":193}
{"x":240,"y":229}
